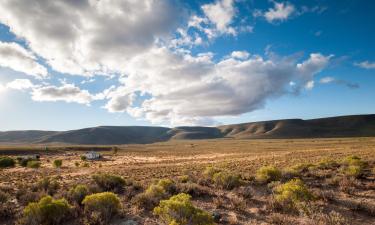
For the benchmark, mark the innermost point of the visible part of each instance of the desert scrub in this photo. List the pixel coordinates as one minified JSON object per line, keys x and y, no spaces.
{"x":7,"y":162}
{"x":78,"y":193}
{"x":267,"y":174}
{"x":3,"y":197}
{"x":33,"y":164}
{"x":226,"y":180}
{"x":168,"y":185}
{"x":47,"y":212}
{"x":57,"y":163}
{"x":354,"y":166}
{"x":210,"y":171}
{"x":99,"y":208}
{"x":48,"y":185}
{"x":108,"y":182}
{"x":292,"y":193}
{"x":154,"y":193}
{"x":328,"y":164}
{"x":178,"y":210}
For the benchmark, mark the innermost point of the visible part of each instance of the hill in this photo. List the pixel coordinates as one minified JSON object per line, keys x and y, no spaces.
{"x":342,"y":126}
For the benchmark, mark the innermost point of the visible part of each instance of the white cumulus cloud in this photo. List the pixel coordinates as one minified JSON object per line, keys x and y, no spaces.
{"x":366,"y":65}
{"x":20,"y":84}
{"x":280,"y":12}
{"x":16,"y":57}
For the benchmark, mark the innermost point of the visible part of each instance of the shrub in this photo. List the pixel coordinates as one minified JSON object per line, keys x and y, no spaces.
{"x":168,"y":185}
{"x":210,"y":171}
{"x":101,"y":207}
{"x":76,"y":164}
{"x":292,"y":193}
{"x":83,"y":158}
{"x":47,"y":211}
{"x":226,"y":180}
{"x":151,"y":197}
{"x":183,"y":178}
{"x":109,"y":182}
{"x":78,"y":193}
{"x":3,"y":197}
{"x":354,"y":166}
{"x":193,"y":189}
{"x":22,"y":161}
{"x":48,"y":185}
{"x":57,"y":163}
{"x":33,"y":164}
{"x":327,"y":164}
{"x":7,"y":162}
{"x":267,"y":174}
{"x":179,"y":210}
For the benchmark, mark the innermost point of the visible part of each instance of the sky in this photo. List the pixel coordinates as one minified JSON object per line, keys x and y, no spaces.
{"x":70,"y":64}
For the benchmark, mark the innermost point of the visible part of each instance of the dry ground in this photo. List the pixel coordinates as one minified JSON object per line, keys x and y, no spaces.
{"x":145,"y":163}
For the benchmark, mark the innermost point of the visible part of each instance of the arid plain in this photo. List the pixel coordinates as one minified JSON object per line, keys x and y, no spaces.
{"x":338,"y":197}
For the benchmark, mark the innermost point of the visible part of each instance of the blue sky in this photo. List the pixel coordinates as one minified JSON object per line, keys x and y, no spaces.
{"x":74,"y":64}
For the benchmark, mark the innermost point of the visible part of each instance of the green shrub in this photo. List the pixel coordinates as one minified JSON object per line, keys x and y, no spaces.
{"x":178,"y":210}
{"x":33,"y":164}
{"x":327,"y":164}
{"x":76,"y":164}
{"x":267,"y":174}
{"x":108,"y":182}
{"x":86,"y":164}
{"x":292,"y":193}
{"x":226,"y":180}
{"x":22,"y":161}
{"x":7,"y":162}
{"x":183,"y":178}
{"x":57,"y":163}
{"x":78,"y":193}
{"x":151,"y":197}
{"x":210,"y":171}
{"x":168,"y":185}
{"x":354,"y":166}
{"x":47,"y":211}
{"x":47,"y":185}
{"x":83,"y":158}
{"x":101,"y":207}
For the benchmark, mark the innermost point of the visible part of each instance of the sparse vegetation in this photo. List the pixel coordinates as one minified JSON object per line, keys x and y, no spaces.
{"x":179,"y":210}
{"x":267,"y":174}
{"x":57,"y":163}
{"x":315,"y":185}
{"x":33,"y":164}
{"x":101,"y":207}
{"x":109,"y":182}
{"x":78,"y":193}
{"x":7,"y":162}
{"x":47,"y":211}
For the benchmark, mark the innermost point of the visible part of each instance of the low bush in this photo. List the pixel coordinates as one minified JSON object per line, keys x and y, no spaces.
{"x":78,"y":193}
{"x":328,"y":164}
{"x":108,"y":182}
{"x":267,"y":174}
{"x":292,"y":193}
{"x":193,"y":189}
{"x":99,"y":208}
{"x":226,"y":180}
{"x":48,"y":185}
{"x":57,"y":163}
{"x":168,"y":185}
{"x":178,"y":210}
{"x":33,"y":164}
{"x":7,"y":162}
{"x":210,"y":171}
{"x":47,"y":211}
{"x":3,"y":197}
{"x":83,"y":158}
{"x":152,"y":195}
{"x":354,"y":166}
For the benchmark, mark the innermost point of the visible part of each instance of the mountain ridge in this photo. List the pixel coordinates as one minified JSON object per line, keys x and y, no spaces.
{"x":339,"y":126}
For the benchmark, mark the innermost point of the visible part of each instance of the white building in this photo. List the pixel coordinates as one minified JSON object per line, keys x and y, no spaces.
{"x":92,"y":155}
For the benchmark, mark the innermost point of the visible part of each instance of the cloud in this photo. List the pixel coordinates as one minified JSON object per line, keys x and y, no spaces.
{"x":327,"y":80}
{"x":221,"y":13}
{"x":240,"y":54}
{"x":280,"y":12}
{"x":65,"y":92}
{"x":310,"y":85}
{"x":20,"y":84}
{"x":87,"y":37}
{"x":16,"y":57}
{"x":366,"y":65}
{"x":186,"y":89}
